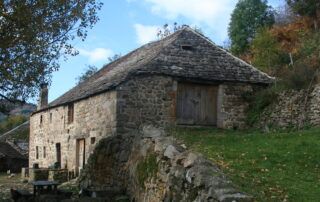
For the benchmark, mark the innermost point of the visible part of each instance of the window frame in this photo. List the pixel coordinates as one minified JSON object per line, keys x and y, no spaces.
{"x":37,"y":152}
{"x":70,"y":113}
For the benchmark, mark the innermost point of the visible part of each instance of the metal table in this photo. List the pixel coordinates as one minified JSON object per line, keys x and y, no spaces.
{"x":48,"y":187}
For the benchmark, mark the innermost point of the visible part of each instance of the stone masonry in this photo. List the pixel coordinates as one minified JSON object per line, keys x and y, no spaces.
{"x":293,"y":108}
{"x":146,"y":100}
{"x":141,"y":88}
{"x":142,"y":100}
{"x":150,"y":167}
{"x":93,"y":118}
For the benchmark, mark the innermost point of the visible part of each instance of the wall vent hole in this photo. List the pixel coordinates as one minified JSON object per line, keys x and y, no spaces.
{"x":187,"y":47}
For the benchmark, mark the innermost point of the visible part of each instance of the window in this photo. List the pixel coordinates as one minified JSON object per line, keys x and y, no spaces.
{"x":50,"y":117}
{"x":41,"y":120}
{"x":37,"y":152}
{"x":70,"y":113}
{"x":44,"y":152}
{"x":186,"y":47}
{"x":93,"y":140}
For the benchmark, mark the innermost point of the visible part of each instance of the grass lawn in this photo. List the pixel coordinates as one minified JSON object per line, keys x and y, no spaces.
{"x":275,"y":166}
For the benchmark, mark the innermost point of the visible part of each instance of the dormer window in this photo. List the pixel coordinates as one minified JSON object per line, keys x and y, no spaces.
{"x":186,"y":47}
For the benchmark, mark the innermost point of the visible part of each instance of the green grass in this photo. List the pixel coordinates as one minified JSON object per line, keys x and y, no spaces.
{"x":277,"y":166}
{"x":147,"y":168}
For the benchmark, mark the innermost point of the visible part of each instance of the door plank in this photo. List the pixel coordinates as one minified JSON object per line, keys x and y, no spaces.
{"x":196,"y":104}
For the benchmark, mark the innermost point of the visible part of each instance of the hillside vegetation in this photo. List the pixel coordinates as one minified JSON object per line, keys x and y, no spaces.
{"x":276,"y":166}
{"x":13,"y":115}
{"x":283,"y":42}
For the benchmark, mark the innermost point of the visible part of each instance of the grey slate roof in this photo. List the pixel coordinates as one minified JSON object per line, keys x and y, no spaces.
{"x":205,"y":61}
{"x":7,"y":151}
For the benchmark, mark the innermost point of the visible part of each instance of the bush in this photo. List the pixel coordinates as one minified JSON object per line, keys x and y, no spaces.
{"x":300,"y":77}
{"x":258,"y":101}
{"x":267,"y":54}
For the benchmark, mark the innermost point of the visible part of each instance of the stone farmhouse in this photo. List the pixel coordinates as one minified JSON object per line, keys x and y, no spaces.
{"x":183,"y":79}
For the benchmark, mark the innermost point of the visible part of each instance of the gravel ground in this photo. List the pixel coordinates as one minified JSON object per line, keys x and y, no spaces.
{"x":14,"y":182}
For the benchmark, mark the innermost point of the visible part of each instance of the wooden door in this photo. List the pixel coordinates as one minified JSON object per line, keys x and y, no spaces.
{"x":80,"y":153}
{"x":58,"y":153}
{"x":196,"y":104}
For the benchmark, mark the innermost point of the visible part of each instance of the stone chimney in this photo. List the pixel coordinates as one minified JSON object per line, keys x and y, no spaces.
{"x":43,"y":97}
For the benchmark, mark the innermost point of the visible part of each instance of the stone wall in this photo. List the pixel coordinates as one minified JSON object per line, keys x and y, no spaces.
{"x":146,"y":100}
{"x":232,"y":106}
{"x":152,"y":100}
{"x":140,"y":100}
{"x":293,"y":108}
{"x":156,"y":169}
{"x":94,"y":117}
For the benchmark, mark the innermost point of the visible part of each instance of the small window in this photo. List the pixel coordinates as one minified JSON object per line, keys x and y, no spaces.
{"x":93,"y":140}
{"x":70,"y":113}
{"x":50,"y":117}
{"x":186,"y":47}
{"x":37,"y":152}
{"x":44,"y":152}
{"x":41,"y":120}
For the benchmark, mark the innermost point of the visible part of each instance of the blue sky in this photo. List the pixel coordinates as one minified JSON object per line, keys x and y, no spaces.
{"x":127,"y":24}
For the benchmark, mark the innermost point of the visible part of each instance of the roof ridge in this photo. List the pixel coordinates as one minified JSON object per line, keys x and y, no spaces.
{"x":157,"y":56}
{"x":105,"y":67}
{"x":141,"y":47}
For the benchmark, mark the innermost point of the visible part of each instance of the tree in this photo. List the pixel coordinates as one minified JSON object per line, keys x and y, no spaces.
{"x":114,"y":57}
{"x":284,"y":15}
{"x":266,"y":52}
{"x":166,"y":30}
{"x":247,"y":17}
{"x":34,"y":35}
{"x":310,"y":8}
{"x":91,"y":70}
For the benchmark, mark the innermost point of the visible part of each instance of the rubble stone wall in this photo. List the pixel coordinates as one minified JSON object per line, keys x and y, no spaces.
{"x":94,"y":117}
{"x":155,"y":168}
{"x":232,"y":106}
{"x":140,"y":100}
{"x":293,"y":108}
{"x":146,"y":100}
{"x":152,"y":100}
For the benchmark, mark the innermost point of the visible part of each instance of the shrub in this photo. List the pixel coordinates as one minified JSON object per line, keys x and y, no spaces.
{"x":258,"y":101}
{"x":300,"y":77}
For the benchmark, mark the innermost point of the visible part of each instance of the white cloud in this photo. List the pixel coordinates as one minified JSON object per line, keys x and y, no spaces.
{"x":213,"y":14}
{"x":97,"y":54}
{"x":145,"y":33}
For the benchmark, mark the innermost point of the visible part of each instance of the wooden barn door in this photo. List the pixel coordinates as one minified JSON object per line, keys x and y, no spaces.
{"x":197,"y":104}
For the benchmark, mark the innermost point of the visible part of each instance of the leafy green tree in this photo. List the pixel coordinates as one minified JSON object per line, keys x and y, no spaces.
{"x":34,"y":35}
{"x":91,"y":70}
{"x":266,"y":52}
{"x":309,"y":8}
{"x":247,"y":17}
